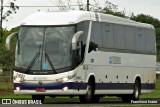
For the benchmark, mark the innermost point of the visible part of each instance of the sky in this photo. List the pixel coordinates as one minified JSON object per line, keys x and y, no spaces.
{"x":149,"y":7}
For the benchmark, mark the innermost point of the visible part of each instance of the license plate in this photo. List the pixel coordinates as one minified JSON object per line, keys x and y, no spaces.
{"x":40,"y":89}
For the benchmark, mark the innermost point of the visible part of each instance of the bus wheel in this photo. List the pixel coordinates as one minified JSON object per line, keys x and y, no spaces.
{"x":38,"y":97}
{"x":135,"y":95}
{"x":96,"y":99}
{"x":137,"y":90}
{"x":89,"y":96}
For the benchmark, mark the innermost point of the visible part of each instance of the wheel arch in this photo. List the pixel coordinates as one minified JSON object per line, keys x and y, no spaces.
{"x":137,"y":77}
{"x":92,"y":77}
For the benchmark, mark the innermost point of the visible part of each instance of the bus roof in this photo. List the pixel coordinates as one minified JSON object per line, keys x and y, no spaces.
{"x":73,"y":17}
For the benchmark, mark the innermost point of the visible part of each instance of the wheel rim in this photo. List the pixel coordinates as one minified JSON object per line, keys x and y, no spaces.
{"x":136,"y":91}
{"x":89,"y":92}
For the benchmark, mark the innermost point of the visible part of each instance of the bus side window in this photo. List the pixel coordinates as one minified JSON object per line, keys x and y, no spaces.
{"x":96,"y":37}
{"x":82,"y":26}
{"x":78,"y":52}
{"x":92,"y":46}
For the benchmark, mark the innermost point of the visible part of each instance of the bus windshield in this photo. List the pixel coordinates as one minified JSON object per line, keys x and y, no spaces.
{"x":44,"y":48}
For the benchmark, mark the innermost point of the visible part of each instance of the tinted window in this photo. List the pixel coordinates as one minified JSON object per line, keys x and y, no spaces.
{"x":107,"y":32}
{"x":119,"y":36}
{"x":96,"y":34}
{"x":140,"y":40}
{"x":130,"y":37}
{"x":150,"y":41}
{"x":82,"y":26}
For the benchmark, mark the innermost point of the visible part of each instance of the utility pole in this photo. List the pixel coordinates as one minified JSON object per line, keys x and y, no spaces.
{"x":87,"y":5}
{"x":1,"y":18}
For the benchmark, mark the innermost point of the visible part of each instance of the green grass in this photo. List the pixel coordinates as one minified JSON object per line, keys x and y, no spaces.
{"x":4,"y":77}
{"x":154,"y":94}
{"x":6,"y":89}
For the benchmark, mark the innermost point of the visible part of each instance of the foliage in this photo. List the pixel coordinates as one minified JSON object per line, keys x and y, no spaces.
{"x":12,"y":8}
{"x":146,"y":19}
{"x":113,"y":10}
{"x":7,"y":57}
{"x":109,"y":8}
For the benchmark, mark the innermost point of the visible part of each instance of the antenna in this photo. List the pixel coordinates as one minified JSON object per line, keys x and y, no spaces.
{"x":87,"y":5}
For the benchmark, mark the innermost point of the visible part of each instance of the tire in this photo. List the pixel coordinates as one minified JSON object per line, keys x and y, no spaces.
{"x":82,"y":99}
{"x":38,"y":97}
{"x":135,"y":95}
{"x":96,"y":99}
{"x":137,"y":91}
{"x":89,"y":96}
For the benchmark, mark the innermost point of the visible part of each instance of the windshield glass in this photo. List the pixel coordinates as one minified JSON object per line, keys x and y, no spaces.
{"x":44,"y":48}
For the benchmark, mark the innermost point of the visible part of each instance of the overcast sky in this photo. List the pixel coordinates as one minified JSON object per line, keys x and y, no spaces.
{"x":150,"y":7}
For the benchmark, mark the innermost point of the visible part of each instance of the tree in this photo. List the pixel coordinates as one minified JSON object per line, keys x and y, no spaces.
{"x":7,"y":57}
{"x":146,"y":19}
{"x":12,"y":8}
{"x":113,"y":10}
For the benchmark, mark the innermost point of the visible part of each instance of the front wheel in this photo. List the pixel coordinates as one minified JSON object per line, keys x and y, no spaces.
{"x":89,"y":96}
{"x":38,"y":97}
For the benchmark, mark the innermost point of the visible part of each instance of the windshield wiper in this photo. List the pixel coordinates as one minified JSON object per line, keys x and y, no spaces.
{"x":33,"y":60}
{"x":49,"y":60}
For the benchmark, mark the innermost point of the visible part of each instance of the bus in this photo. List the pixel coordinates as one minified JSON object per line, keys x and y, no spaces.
{"x":84,"y":54}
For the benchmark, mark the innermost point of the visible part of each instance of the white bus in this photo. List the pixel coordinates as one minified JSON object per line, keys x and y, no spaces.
{"x":85,"y":54}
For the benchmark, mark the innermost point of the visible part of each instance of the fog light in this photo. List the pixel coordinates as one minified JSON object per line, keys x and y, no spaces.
{"x":65,"y":88}
{"x":18,"y":88}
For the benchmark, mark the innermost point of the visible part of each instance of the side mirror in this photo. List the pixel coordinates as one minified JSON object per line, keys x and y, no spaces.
{"x":75,"y":39}
{"x":8,"y":40}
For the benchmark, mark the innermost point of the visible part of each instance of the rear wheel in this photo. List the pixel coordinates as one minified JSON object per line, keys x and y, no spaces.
{"x":135,"y":95}
{"x":38,"y":97}
{"x":137,"y":90}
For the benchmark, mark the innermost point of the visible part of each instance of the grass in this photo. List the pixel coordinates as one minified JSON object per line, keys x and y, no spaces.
{"x":6,"y":89}
{"x":154,"y":94}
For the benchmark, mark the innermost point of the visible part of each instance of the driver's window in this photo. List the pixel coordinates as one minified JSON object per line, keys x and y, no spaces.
{"x":82,"y":26}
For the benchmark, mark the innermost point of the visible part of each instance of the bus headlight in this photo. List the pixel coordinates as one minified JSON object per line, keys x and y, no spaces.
{"x":65,"y":79}
{"x":62,"y":79}
{"x":18,"y":79}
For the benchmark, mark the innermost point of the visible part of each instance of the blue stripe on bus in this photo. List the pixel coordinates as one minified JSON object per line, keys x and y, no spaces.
{"x":25,"y":86}
{"x":83,"y":86}
{"x":127,"y":86}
